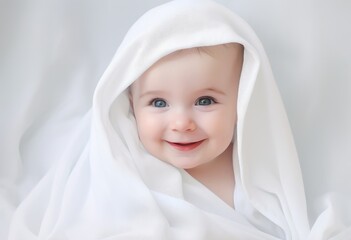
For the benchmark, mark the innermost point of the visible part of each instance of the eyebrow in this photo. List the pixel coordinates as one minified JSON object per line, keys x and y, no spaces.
{"x":160,"y":92}
{"x":153,"y":92}
{"x":212,"y":90}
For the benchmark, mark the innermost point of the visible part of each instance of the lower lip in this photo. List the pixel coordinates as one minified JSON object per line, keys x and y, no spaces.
{"x":185,"y":147}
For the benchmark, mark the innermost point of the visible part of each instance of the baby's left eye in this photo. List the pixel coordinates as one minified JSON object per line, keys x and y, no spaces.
{"x":204,"y":101}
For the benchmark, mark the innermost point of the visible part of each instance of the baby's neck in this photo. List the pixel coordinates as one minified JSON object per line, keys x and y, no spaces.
{"x":218,"y":176}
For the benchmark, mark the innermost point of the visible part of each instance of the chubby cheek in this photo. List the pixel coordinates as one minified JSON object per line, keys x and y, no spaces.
{"x":149,"y":129}
{"x":221,"y":125}
{"x":228,"y":130}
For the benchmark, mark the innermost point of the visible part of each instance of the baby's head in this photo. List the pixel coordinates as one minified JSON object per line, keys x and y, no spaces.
{"x":185,"y":104}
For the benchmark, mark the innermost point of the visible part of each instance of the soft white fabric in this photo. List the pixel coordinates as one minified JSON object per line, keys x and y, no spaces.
{"x":105,"y":186}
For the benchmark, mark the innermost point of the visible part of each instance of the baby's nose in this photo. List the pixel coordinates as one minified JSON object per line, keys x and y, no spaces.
{"x":182,"y":123}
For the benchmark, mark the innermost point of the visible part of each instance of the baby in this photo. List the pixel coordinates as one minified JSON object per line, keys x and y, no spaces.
{"x":185,"y":110}
{"x":173,"y":142}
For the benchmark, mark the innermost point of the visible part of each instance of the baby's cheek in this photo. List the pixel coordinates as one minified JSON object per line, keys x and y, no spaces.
{"x":226,"y":126}
{"x":147,"y":127}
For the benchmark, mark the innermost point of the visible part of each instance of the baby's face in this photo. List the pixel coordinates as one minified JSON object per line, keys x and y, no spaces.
{"x":185,"y":104}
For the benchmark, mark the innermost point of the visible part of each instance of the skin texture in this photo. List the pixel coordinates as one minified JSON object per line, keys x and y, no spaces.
{"x":185,"y":110}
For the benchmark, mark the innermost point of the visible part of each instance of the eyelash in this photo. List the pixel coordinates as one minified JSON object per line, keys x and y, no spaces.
{"x":212,"y":101}
{"x":153,"y":102}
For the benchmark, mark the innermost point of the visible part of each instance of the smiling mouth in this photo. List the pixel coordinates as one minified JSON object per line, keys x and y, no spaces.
{"x":185,"y":146}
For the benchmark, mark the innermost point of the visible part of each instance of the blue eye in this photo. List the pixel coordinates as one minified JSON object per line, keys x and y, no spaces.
{"x":159,"y":103}
{"x":205,"y":101}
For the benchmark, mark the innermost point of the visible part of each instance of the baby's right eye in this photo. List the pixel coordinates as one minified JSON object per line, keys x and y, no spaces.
{"x":159,"y":103}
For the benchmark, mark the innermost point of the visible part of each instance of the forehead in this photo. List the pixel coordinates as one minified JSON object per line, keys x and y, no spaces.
{"x":216,"y":54}
{"x":204,"y":65}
